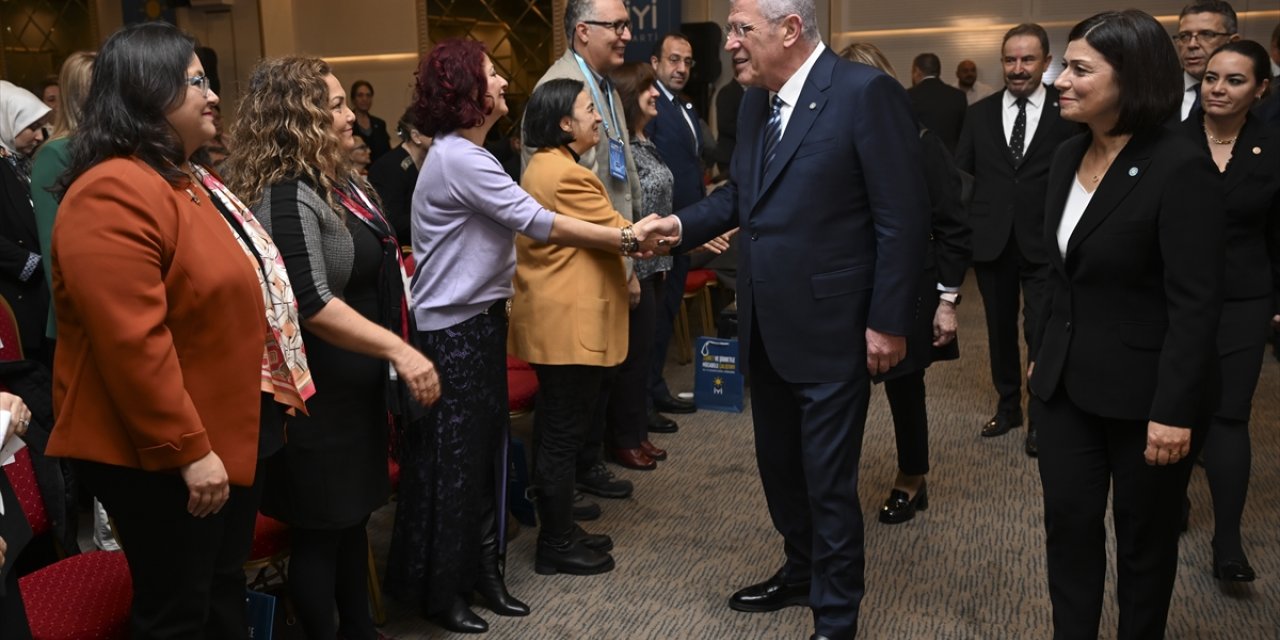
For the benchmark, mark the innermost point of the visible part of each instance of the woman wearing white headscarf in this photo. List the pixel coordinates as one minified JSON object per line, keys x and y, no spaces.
{"x":22,"y":116}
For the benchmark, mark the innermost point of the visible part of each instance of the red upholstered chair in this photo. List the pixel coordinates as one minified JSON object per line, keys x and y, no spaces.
{"x":269,"y":552}
{"x":82,"y":597}
{"x":522,"y":387}
{"x":697,"y":288}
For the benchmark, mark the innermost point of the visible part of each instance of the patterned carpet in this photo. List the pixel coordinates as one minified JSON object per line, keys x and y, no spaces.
{"x":971,"y":567}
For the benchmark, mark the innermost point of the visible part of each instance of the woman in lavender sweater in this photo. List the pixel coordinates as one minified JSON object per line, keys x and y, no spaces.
{"x":466,"y":213}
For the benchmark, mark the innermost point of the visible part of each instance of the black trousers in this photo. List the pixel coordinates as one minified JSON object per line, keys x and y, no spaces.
{"x":808,"y":443}
{"x":567,"y":399}
{"x":670,"y":294}
{"x":188,"y":573}
{"x":999,"y":282}
{"x":910,"y":421}
{"x":1082,"y":458}
{"x":625,"y":412}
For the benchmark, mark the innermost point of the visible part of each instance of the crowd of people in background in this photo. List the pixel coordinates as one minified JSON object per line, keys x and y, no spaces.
{"x":249,"y":321}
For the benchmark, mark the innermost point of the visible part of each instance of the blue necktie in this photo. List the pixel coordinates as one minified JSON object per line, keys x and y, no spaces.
{"x":772,"y":132}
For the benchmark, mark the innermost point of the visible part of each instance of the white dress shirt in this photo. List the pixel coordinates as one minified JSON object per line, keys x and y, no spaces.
{"x":1189,"y":88}
{"x":790,"y":91}
{"x":1035,"y":107}
{"x":1077,"y":202}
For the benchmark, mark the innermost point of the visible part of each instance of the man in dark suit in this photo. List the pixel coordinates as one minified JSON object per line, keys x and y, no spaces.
{"x":678,"y":136}
{"x":1269,"y":110}
{"x":1203,"y":25}
{"x":827,"y":188}
{"x":938,"y":105}
{"x":1007,"y":144}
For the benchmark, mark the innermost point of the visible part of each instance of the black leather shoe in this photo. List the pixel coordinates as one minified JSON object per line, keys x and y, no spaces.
{"x":1233,"y":570}
{"x":1031,"y":445}
{"x":584,"y":509}
{"x":900,"y":508}
{"x":672,"y":404}
{"x":600,"y":481}
{"x":460,"y":618}
{"x":771,"y":595}
{"x":597,"y":541}
{"x":659,"y":423}
{"x":1001,"y":423}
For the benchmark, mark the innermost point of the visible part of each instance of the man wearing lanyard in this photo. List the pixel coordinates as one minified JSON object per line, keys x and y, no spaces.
{"x":598,"y":32}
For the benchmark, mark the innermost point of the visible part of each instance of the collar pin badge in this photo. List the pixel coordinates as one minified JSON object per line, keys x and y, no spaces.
{"x":813,"y":105}
{"x":1257,"y":151}
{"x":1133,"y":171}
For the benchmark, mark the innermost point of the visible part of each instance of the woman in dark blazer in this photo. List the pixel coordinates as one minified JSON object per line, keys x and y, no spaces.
{"x":22,"y":121}
{"x":934,"y":338}
{"x":1247,"y":154}
{"x":1125,"y":369}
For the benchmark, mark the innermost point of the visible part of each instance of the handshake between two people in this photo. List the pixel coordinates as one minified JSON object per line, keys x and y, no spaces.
{"x":658,"y":234}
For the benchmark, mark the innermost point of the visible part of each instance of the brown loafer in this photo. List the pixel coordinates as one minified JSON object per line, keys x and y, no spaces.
{"x":652,"y":451}
{"x":633,"y":459}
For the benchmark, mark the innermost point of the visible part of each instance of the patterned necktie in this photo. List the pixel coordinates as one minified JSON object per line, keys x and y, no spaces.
{"x":1017,"y":140}
{"x":772,"y":131}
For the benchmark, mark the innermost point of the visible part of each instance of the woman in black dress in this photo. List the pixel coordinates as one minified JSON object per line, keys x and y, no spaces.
{"x":332,"y":472}
{"x":22,"y":120}
{"x":1247,"y":153}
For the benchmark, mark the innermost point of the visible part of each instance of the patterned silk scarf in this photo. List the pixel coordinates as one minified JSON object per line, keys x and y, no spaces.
{"x":285,"y":374}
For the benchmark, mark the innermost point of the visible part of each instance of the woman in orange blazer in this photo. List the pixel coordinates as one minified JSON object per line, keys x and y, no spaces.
{"x":568,"y":316}
{"x":178,"y":344}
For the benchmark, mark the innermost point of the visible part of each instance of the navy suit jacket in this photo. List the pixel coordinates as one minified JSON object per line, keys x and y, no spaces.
{"x":680,"y":148}
{"x":834,"y":233}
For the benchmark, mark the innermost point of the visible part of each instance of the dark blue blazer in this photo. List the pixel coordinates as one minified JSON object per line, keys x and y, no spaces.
{"x":834,"y":233}
{"x":680,"y":148}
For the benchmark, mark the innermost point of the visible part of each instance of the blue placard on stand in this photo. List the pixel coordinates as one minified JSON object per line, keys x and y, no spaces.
{"x":718,"y":381}
{"x":261,"y":608}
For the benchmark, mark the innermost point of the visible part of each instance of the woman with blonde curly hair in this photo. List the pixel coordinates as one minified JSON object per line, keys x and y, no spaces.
{"x":292,"y":139}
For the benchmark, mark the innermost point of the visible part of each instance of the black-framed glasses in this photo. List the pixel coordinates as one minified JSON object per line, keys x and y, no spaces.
{"x":201,"y":82}
{"x":737,"y":30}
{"x":1185,"y":37}
{"x":676,"y":61}
{"x":617,"y":26}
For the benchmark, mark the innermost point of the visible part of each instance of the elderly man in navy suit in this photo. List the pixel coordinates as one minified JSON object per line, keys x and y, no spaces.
{"x":678,"y":136}
{"x":827,"y":187}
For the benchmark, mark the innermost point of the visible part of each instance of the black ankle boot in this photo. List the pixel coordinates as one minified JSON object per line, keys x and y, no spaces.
{"x":597,"y":541}
{"x":459,"y":618}
{"x":559,"y":549}
{"x":490,"y":585}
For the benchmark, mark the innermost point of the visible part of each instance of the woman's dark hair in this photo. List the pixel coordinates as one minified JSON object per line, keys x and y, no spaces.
{"x":549,"y":104}
{"x":1256,"y":54}
{"x":1146,"y":66}
{"x":140,"y":75}
{"x":355,"y":86}
{"x":631,"y":80}
{"x":450,"y":91}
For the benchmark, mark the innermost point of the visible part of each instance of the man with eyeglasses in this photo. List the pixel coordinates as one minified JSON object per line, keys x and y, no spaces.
{"x":827,"y":188}
{"x":677,"y":134}
{"x":1202,"y":27}
{"x":598,"y":32}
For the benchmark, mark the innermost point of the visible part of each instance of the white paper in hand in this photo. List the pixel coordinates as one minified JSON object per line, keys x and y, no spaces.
{"x":10,"y":446}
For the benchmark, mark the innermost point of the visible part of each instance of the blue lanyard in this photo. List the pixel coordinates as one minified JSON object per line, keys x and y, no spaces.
{"x":612,"y":122}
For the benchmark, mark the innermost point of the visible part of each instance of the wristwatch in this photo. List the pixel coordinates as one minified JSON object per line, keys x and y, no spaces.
{"x":947,"y":296}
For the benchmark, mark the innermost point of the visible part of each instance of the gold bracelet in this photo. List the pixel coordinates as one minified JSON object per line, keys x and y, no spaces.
{"x":629,"y":243}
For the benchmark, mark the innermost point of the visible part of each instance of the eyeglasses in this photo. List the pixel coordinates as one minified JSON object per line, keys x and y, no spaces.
{"x":200,"y":82}
{"x":738,"y":31}
{"x":676,"y":60}
{"x":1185,"y":37}
{"x":617,"y":26}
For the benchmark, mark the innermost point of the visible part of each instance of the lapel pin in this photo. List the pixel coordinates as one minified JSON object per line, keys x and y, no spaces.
{"x":1257,"y":151}
{"x":813,"y":105}
{"x":1133,"y":171}
{"x":1055,"y":104}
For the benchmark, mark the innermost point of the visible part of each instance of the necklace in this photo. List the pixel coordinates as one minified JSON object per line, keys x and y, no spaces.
{"x":1214,"y":140}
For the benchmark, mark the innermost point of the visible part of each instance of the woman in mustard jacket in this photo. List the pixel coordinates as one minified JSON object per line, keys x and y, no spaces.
{"x":568,"y":316}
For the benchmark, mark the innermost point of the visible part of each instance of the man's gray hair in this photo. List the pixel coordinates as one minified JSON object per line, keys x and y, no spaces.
{"x":775,"y":10}
{"x":576,"y":11}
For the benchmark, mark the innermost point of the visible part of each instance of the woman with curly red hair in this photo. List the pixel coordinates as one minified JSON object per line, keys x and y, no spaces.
{"x":466,"y":214}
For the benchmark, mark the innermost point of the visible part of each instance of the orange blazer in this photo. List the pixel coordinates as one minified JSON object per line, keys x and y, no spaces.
{"x":570,"y":304}
{"x":160,"y":326}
